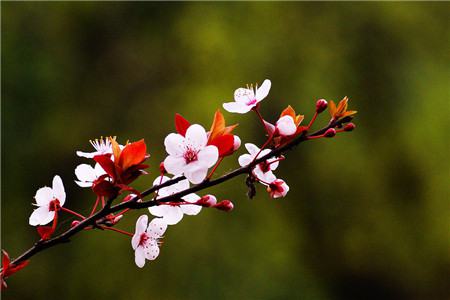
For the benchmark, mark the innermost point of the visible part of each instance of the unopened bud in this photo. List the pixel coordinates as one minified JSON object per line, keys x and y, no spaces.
{"x":225,"y":205}
{"x":207,"y":201}
{"x":74,"y":223}
{"x":236,"y":142}
{"x":162,"y":169}
{"x":321,"y":105}
{"x":330,"y":133}
{"x":117,"y":219}
{"x":349,"y":127}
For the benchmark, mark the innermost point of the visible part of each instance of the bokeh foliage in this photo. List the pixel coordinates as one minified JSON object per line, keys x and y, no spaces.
{"x":368,"y":212}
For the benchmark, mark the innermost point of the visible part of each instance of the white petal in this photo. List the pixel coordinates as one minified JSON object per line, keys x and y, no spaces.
{"x":208,"y":156}
{"x":251,"y":148}
{"x":44,"y":196}
{"x":192,"y":198}
{"x":85,"y":172}
{"x":286,"y":126}
{"x":41,"y":216}
{"x":264,"y":153}
{"x":235,"y":107}
{"x":152,"y":251}
{"x":139,"y":257}
{"x":264,"y":176}
{"x":263,"y":90}
{"x":98,"y":170}
{"x":158,"y":180}
{"x":83,"y":183}
{"x":196,"y":136}
{"x":87,"y":154}
{"x":58,"y":190}
{"x":191,"y":210}
{"x":236,"y":142}
{"x":274,"y":165}
{"x":135,"y":240}
{"x":141,"y":224}
{"x":156,"y":228}
{"x":196,"y":176}
{"x":174,"y":144}
{"x":171,"y":214}
{"x":243,"y":96}
{"x":174,"y":165}
{"x":245,"y":159}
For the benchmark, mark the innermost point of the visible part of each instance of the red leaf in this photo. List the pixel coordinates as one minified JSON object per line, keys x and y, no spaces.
{"x":15,"y":268}
{"x":45,"y":232}
{"x":224,"y":143}
{"x":181,"y":124}
{"x":133,"y":154}
{"x":107,"y":164}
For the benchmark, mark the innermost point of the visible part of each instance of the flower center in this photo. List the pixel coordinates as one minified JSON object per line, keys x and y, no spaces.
{"x":265,"y":166}
{"x":251,"y":102}
{"x":276,"y":187}
{"x":143,"y":239}
{"x":190,"y":155}
{"x":54,"y":205}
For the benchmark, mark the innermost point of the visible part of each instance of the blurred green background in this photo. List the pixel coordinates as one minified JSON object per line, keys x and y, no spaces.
{"x":368,"y":213}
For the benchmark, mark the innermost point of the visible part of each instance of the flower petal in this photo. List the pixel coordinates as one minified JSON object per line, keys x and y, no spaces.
{"x":263,"y":90}
{"x":286,"y":126}
{"x":43,"y":196}
{"x":152,"y":251}
{"x":171,"y":214}
{"x":251,"y":148}
{"x":191,"y":210}
{"x":41,"y":216}
{"x":58,"y":190}
{"x":196,"y":136}
{"x":242,"y":95}
{"x":156,"y":228}
{"x":174,"y":144}
{"x":174,"y":165}
{"x":87,"y":154}
{"x":98,"y":170}
{"x":245,"y":159}
{"x":208,"y":156}
{"x":139,"y":257}
{"x":235,"y":107}
{"x":141,"y":224}
{"x":196,"y":175}
{"x":83,"y":183}
{"x":85,"y":172}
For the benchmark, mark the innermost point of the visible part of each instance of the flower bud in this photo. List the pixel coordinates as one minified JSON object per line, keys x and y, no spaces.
{"x":162,"y":169}
{"x":207,"y":201}
{"x":117,"y":219}
{"x":74,"y":223}
{"x":225,"y":205}
{"x":349,"y":127}
{"x":321,"y":105}
{"x":331,"y":132}
{"x":236,"y":142}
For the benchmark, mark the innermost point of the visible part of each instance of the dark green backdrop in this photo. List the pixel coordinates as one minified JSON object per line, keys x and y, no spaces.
{"x":368,"y":212}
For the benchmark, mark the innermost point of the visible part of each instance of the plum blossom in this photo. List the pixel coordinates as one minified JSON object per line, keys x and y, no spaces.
{"x":87,"y":174}
{"x":48,"y":200}
{"x":286,"y":126}
{"x":247,"y":98}
{"x":278,"y":188}
{"x":101,"y":146}
{"x":172,"y":213}
{"x":146,"y":239}
{"x":190,"y":155}
{"x":263,"y":170}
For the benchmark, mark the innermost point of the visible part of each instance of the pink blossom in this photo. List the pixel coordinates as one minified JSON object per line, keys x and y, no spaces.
{"x":247,"y":98}
{"x":190,"y":155}
{"x":48,"y":201}
{"x":146,"y":239}
{"x":263,"y":170}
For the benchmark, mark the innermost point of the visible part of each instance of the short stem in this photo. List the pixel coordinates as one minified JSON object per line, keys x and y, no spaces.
{"x":117,"y":230}
{"x":312,"y":120}
{"x":258,"y":113}
{"x":214,"y":169}
{"x":315,"y":137}
{"x":73,"y":213}
{"x":95,"y":206}
{"x":103,"y":201}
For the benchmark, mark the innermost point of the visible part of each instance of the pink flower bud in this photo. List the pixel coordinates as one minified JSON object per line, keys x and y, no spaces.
{"x":236,"y":142}
{"x":349,"y":127}
{"x":74,"y":223}
{"x":331,"y":132}
{"x":225,"y":205}
{"x":321,"y":105}
{"x":207,"y":201}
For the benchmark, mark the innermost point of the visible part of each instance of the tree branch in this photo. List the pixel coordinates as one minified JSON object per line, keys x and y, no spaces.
{"x":135,"y":204}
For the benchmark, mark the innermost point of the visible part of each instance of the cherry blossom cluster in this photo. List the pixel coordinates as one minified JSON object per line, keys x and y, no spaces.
{"x":193,"y":157}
